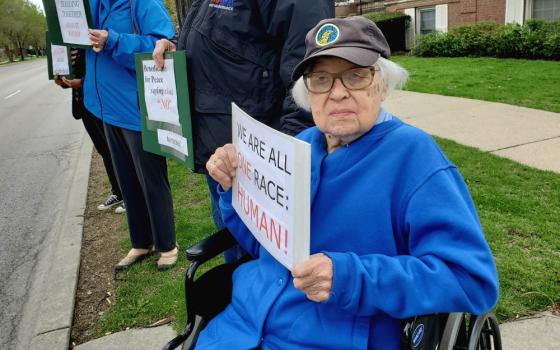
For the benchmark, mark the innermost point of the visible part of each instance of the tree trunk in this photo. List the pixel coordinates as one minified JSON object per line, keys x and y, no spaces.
{"x":9,"y":53}
{"x":20,"y":47}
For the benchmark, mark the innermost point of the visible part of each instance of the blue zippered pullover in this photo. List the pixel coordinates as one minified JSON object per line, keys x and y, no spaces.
{"x":110,"y":90}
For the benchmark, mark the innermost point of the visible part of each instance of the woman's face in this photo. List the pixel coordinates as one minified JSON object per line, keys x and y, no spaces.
{"x":341,"y":113}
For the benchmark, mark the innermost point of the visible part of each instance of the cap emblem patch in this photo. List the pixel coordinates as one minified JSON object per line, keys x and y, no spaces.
{"x":327,"y":34}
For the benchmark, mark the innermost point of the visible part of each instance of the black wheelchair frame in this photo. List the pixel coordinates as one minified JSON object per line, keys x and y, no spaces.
{"x":453,"y":331}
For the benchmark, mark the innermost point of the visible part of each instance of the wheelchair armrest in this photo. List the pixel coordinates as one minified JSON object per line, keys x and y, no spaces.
{"x":211,"y":247}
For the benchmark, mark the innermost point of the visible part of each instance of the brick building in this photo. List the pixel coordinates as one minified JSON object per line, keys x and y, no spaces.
{"x":440,"y":15}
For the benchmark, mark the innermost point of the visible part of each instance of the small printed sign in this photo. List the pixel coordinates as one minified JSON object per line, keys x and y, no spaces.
{"x":60,"y":64}
{"x":173,"y":140}
{"x":73,"y":21}
{"x":159,"y":92}
{"x":68,"y":22}
{"x":164,"y":107}
{"x":59,"y":61}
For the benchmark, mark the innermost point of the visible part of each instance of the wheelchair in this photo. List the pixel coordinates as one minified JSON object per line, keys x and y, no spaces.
{"x":452,"y":331}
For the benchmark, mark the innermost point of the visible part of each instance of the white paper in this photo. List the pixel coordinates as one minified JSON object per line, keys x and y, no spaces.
{"x":173,"y":140}
{"x":73,"y":21}
{"x":160,"y":92}
{"x":60,"y":64}
{"x":271,"y":189}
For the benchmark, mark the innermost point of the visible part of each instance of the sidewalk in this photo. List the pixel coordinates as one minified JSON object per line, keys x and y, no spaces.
{"x":525,"y":135}
{"x":528,"y":136}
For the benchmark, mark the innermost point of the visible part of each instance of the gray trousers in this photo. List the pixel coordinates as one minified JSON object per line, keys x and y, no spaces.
{"x":142,"y":177}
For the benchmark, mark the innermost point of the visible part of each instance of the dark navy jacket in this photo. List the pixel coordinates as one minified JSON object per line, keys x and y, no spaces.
{"x":244,"y":51}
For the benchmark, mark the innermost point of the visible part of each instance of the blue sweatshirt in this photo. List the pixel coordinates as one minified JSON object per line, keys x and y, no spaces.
{"x":110,"y":91}
{"x":396,"y":218}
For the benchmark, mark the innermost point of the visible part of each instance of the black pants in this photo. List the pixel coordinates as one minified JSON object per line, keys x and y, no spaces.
{"x":94,"y":128}
{"x":145,"y":187}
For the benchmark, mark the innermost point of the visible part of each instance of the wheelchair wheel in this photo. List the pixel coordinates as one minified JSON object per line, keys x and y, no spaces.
{"x":485,"y":333}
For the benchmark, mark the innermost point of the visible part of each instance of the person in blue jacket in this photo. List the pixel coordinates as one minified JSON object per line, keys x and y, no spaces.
{"x":123,"y":28}
{"x":242,"y":51}
{"x":394,"y":231}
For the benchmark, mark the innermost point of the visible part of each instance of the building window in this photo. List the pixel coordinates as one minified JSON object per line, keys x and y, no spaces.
{"x":546,"y":9}
{"x":427,"y":20}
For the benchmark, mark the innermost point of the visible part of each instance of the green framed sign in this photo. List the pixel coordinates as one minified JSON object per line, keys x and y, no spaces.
{"x":68,"y":22}
{"x":59,"y":60}
{"x":164,"y":107}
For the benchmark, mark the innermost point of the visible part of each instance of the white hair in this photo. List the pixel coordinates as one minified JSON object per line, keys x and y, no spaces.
{"x":389,"y":77}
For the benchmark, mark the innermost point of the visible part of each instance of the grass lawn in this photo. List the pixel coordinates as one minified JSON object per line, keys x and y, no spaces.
{"x":528,"y":83}
{"x":518,"y":207}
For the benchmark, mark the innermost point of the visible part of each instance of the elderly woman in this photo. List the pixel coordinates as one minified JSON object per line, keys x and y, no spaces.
{"x":394,"y":232}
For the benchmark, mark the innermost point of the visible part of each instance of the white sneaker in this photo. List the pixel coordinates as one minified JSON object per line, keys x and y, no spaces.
{"x":111,"y":202}
{"x":120,"y":209}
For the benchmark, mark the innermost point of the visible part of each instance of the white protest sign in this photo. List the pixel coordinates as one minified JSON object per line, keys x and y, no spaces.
{"x":271,"y":189}
{"x":173,"y":140}
{"x":73,"y":21}
{"x":60,"y":64}
{"x":160,"y":93}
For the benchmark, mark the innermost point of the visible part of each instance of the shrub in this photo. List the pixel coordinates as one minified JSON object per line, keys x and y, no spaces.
{"x":535,"y":39}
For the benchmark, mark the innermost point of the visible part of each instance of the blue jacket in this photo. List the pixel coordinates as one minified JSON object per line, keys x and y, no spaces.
{"x":245,"y":51}
{"x":396,"y":219}
{"x":110,"y":90}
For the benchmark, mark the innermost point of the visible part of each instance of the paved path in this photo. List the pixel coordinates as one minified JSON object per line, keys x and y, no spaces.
{"x":528,"y":136}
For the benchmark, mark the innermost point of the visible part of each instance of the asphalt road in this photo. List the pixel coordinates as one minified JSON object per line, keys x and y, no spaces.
{"x":39,"y":144}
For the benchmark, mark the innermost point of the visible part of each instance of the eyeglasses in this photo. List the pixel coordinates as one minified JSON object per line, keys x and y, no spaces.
{"x":352,"y":79}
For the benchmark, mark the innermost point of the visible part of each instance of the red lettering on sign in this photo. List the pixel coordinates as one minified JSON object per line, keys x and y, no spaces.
{"x":265,"y":223}
{"x":245,"y":166}
{"x":164,"y":104}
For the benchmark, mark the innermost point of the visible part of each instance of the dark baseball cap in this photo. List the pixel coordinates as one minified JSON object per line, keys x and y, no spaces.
{"x":355,"y":39}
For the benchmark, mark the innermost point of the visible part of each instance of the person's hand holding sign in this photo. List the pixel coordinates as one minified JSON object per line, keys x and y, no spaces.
{"x":58,"y":81}
{"x":222,"y":165}
{"x":314,"y":277}
{"x":98,"y":38}
{"x":162,"y":46}
{"x":73,"y":83}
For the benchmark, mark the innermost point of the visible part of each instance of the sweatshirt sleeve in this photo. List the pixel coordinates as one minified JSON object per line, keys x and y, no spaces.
{"x":236,"y":226}
{"x":151,"y":21}
{"x":449,"y":266}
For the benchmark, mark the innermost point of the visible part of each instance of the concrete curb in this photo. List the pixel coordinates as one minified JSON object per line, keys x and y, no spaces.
{"x":59,"y":273}
{"x":540,"y":331}
{"x":138,"y":339}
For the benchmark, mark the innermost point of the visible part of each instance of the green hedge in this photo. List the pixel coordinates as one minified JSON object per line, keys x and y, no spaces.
{"x":535,"y":39}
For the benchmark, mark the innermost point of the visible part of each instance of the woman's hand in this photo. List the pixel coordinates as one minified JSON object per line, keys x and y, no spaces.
{"x":74,"y":83}
{"x":58,"y":80}
{"x":222,"y":165}
{"x":162,"y":46}
{"x":314,"y":277}
{"x":98,"y":38}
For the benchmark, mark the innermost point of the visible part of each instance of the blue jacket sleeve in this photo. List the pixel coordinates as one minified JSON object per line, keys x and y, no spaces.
{"x":236,"y":226}
{"x":152,"y":22}
{"x":449,"y":266}
{"x":287,"y":22}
